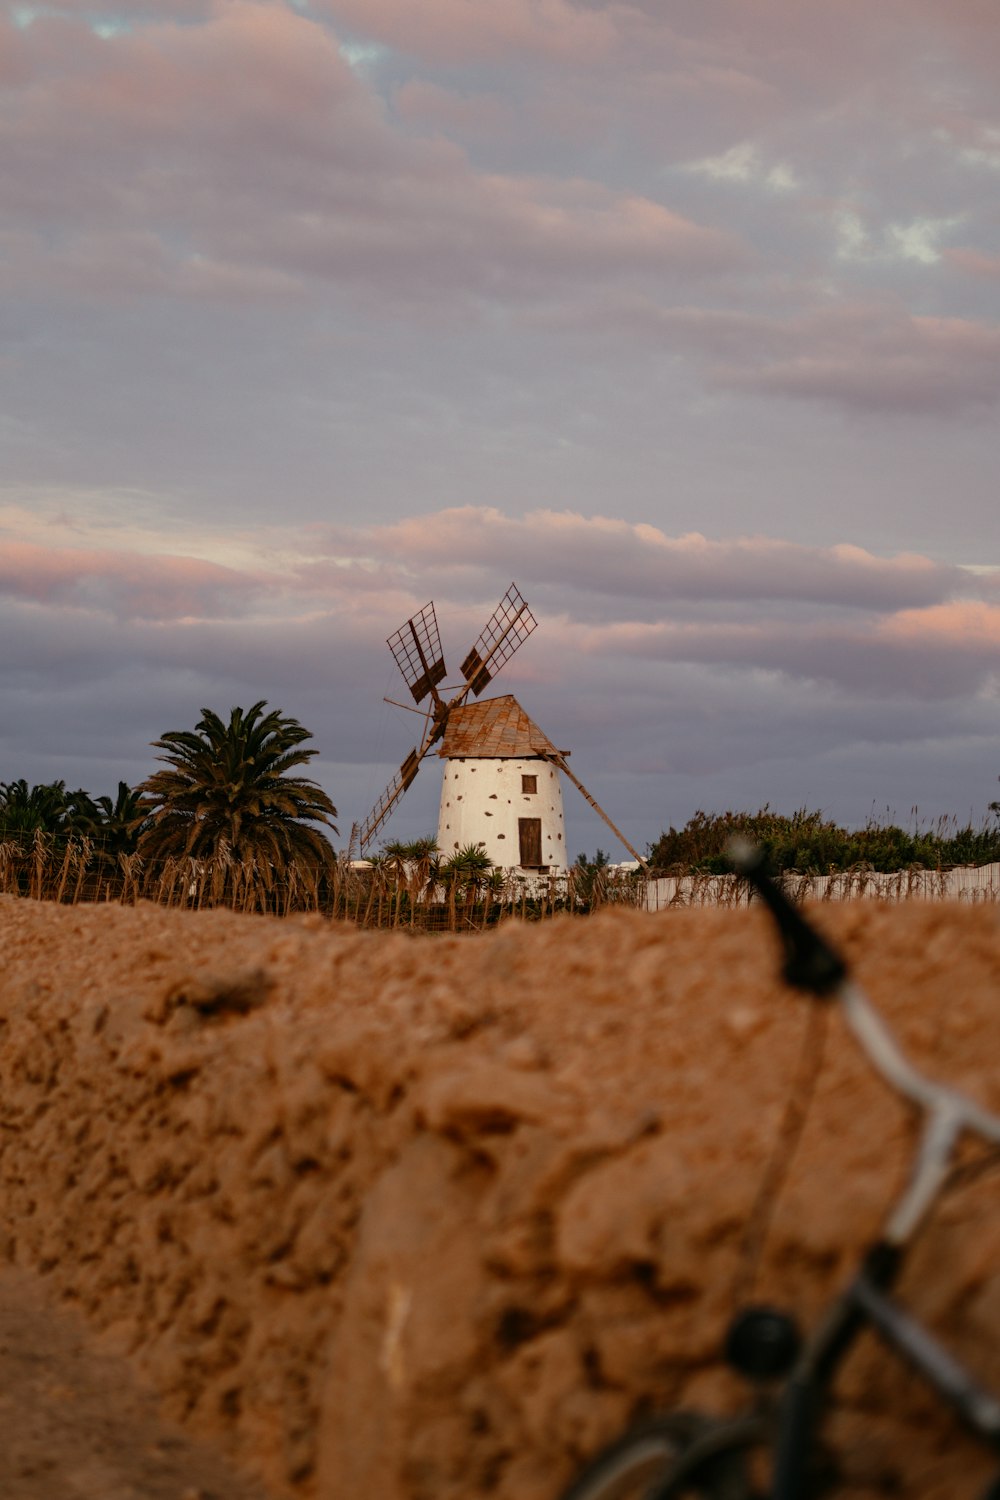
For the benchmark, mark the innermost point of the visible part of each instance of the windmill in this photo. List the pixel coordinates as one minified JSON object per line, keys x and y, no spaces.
{"x":515,"y":800}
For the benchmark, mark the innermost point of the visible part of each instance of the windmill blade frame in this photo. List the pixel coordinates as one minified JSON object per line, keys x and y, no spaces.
{"x":416,"y":647}
{"x":383,"y":807}
{"x":507,"y":628}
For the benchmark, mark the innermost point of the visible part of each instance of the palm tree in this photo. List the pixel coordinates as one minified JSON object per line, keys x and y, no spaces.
{"x":469,"y":870}
{"x":412,"y":866}
{"x":82,"y":816}
{"x":425,"y":863}
{"x":415,"y":861}
{"x":24,"y":809}
{"x":46,"y":808}
{"x":228,"y":787}
{"x":121,"y":820}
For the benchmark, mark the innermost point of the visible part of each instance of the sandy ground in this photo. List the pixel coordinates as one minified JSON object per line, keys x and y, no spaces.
{"x":75,"y":1424}
{"x":431,"y":1219}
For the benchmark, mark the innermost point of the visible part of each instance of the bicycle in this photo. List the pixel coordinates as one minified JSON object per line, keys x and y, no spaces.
{"x":771,"y":1451}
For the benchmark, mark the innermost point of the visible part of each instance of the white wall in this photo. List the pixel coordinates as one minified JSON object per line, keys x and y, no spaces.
{"x":482,"y":800}
{"x":973,"y":883}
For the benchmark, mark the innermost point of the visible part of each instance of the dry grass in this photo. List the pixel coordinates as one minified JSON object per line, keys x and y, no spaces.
{"x":70,"y":871}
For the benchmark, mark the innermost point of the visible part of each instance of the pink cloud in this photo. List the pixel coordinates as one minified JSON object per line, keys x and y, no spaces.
{"x":813,"y":50}
{"x":967,"y":623}
{"x":251,"y":64}
{"x":924,"y":660}
{"x":601,"y":555}
{"x":975,"y":262}
{"x":863,"y":356}
{"x":126,"y":585}
{"x":786,"y":51}
{"x":881,"y":359}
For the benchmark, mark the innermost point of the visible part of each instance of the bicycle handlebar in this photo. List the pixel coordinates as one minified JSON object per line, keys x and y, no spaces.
{"x":811,"y":964}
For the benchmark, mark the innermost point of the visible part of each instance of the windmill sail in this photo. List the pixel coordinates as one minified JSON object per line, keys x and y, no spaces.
{"x":385,"y":804}
{"x":417,"y":649}
{"x":510,"y":624}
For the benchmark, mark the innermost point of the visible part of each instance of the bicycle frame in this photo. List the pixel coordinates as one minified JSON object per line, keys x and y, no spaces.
{"x":789,"y":1429}
{"x":866,"y":1302}
{"x":812,"y":965}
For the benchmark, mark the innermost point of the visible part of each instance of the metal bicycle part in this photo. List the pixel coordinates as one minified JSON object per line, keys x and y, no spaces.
{"x":813,"y":965}
{"x":685,"y":1456}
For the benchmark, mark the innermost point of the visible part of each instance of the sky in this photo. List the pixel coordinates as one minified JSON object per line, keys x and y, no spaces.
{"x":683,"y":314}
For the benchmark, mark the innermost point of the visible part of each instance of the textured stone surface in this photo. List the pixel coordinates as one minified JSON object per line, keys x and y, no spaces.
{"x":432,"y":1218}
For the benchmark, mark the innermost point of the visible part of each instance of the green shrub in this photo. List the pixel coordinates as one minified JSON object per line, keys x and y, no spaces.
{"x":810,"y":844}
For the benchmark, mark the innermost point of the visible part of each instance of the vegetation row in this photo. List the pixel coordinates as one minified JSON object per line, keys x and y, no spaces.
{"x":811,"y":844}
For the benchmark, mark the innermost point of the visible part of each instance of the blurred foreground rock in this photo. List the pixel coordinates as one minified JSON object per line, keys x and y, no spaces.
{"x":432,"y":1218}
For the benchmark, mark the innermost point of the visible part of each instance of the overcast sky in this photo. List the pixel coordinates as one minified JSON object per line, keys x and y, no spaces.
{"x":685,"y":314}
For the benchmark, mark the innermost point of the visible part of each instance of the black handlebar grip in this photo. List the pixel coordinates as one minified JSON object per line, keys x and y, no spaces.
{"x":810,"y":962}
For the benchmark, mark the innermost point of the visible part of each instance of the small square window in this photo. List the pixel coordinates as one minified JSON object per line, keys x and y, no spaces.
{"x":529,"y":783}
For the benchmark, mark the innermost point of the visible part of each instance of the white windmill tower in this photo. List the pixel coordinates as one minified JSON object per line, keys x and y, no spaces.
{"x":501,"y":782}
{"x":501,"y":788}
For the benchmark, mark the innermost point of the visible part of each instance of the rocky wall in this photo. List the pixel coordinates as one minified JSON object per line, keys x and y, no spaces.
{"x":431,"y":1218}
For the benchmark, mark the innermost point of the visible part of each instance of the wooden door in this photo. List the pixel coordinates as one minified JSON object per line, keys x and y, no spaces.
{"x":530,"y":834}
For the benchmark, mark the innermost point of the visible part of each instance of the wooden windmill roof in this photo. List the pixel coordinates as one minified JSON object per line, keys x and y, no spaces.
{"x":495,"y":728}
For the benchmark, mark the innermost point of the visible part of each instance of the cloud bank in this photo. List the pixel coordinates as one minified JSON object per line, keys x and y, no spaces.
{"x":643,"y":637}
{"x":683,"y":315}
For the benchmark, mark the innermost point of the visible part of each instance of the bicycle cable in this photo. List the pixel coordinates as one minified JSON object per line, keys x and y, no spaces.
{"x":775,"y":1175}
